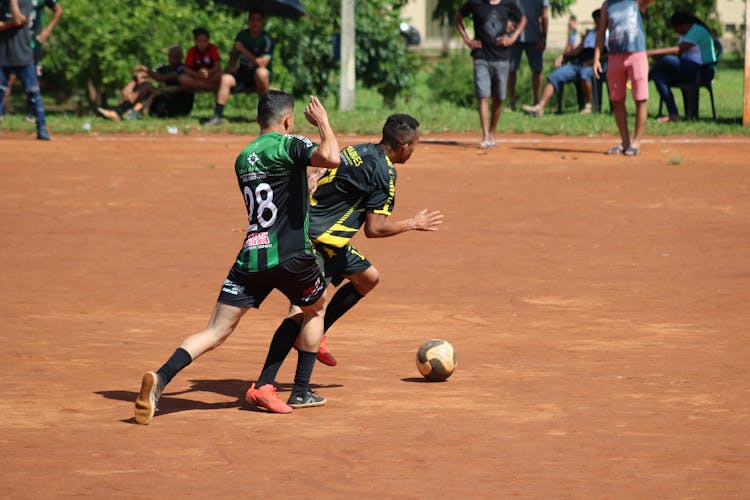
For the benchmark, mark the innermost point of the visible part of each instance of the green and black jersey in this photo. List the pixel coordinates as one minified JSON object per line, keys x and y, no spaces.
{"x":261,"y":46}
{"x":272,"y":175}
{"x":365,"y":181}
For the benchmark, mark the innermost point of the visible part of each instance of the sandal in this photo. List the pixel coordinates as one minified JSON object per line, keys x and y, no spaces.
{"x":631,"y":151}
{"x":615,"y":150}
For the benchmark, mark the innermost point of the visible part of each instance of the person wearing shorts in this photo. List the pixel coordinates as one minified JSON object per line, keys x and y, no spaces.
{"x":359,"y":193}
{"x":490,"y":49}
{"x":627,"y":60}
{"x":202,"y":70}
{"x":277,"y":252}
{"x":533,"y":41}
{"x":572,"y":66}
{"x":253,"y":48}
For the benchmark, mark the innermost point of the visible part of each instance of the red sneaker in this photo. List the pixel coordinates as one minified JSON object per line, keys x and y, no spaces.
{"x":267,"y":397}
{"x":324,"y":355}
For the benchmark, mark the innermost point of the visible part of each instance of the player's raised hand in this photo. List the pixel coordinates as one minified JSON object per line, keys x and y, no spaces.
{"x":315,"y":113}
{"x":428,"y":221}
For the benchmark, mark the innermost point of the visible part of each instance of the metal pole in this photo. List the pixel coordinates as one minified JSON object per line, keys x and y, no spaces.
{"x":348,"y":65}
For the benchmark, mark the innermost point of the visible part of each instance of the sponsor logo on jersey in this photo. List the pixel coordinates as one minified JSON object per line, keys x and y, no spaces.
{"x":308,"y":143}
{"x":253,"y":158}
{"x":310,"y":295}
{"x":257,"y":240}
{"x":351,"y":156}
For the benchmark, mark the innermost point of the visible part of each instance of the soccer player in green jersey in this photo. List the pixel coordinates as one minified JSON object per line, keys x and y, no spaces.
{"x":361,"y":192}
{"x":276,"y":253}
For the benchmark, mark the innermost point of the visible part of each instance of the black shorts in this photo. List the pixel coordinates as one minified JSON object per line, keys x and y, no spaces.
{"x":340,"y":262}
{"x":299,"y":278}
{"x":245,"y":78}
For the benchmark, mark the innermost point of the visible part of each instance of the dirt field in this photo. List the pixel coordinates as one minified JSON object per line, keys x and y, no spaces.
{"x":598,"y":306}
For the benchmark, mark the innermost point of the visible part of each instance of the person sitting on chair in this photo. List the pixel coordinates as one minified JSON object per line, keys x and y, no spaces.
{"x":578,"y":68}
{"x":202,"y":64}
{"x":140,"y":93}
{"x":253,"y":47}
{"x":693,"y":59}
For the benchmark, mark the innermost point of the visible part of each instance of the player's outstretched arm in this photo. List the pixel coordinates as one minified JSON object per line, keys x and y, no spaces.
{"x":327,"y":154}
{"x":378,"y":225}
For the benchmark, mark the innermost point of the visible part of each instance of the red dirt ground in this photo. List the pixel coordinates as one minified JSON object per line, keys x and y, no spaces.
{"x":598,"y":307}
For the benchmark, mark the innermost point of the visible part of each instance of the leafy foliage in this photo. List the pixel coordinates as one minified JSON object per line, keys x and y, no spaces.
{"x":656,"y":20}
{"x":453,"y":81}
{"x":383,"y":61}
{"x":98,"y":43}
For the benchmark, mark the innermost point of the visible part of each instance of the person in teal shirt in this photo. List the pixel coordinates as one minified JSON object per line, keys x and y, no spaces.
{"x":693,"y":58}
{"x":253,"y":49}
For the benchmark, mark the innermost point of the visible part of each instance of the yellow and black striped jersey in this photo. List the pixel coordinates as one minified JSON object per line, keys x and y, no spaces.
{"x":365,"y":181}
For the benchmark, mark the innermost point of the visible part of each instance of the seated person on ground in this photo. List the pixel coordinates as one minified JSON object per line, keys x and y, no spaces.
{"x":693,"y":58}
{"x":254,"y":49}
{"x":139,"y":93}
{"x":202,"y":64}
{"x":578,"y":68}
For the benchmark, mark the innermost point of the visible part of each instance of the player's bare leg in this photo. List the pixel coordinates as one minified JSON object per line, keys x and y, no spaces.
{"x":228,"y":82}
{"x":497,"y":108}
{"x":621,"y":119}
{"x":536,"y":84}
{"x":222,"y":323}
{"x":641,"y":115}
{"x":484,"y":120}
{"x":262,"y":80}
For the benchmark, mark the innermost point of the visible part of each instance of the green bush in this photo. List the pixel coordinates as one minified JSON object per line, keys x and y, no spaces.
{"x":93,"y":50}
{"x":453,"y":81}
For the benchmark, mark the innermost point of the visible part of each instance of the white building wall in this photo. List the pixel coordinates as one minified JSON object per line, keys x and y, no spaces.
{"x":419,"y":14}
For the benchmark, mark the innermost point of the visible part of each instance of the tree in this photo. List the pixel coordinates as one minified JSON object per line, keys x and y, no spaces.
{"x":98,"y":43}
{"x":656,"y":20}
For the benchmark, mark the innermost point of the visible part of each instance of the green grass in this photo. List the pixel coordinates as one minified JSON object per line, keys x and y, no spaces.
{"x":435,"y":117}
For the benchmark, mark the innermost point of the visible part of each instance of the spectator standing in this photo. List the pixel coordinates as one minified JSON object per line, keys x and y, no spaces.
{"x":40,"y":34}
{"x":627,"y":60}
{"x":533,"y":41}
{"x":490,"y":49}
{"x":253,"y":48}
{"x":17,"y":56}
{"x":694,"y":58}
{"x":202,"y":64}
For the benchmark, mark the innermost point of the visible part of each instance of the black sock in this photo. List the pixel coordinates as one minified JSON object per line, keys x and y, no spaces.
{"x":123,"y":107}
{"x":219,"y":110}
{"x":179,"y":360}
{"x":281,"y":344}
{"x":345,"y":298}
{"x":305,"y":364}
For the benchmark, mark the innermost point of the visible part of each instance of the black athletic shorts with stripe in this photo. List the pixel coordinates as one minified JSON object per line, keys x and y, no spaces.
{"x":299,"y":278}
{"x":340,"y":262}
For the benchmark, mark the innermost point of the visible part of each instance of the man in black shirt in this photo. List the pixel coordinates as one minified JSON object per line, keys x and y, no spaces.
{"x":490,"y":49}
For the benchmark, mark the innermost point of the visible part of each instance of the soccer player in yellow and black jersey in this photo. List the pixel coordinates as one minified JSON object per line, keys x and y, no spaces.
{"x":360,"y":192}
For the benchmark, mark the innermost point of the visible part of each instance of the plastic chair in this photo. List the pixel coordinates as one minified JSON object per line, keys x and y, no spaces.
{"x":691,"y":90}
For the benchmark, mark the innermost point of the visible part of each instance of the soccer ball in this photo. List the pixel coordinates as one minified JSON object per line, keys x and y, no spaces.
{"x":436,"y":360}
